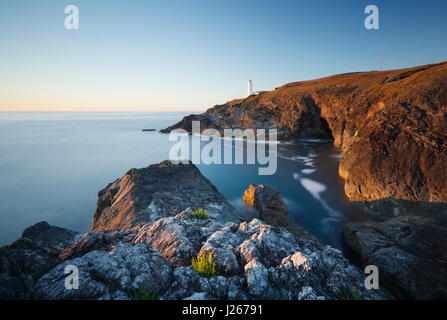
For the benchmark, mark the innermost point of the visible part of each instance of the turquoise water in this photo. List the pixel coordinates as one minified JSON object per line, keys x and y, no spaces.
{"x":53,"y":164}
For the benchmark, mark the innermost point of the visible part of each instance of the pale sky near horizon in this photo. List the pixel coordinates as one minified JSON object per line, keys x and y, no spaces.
{"x":170,"y":55}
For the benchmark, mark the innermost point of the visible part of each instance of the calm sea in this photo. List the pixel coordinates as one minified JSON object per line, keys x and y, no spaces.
{"x":53,"y":164}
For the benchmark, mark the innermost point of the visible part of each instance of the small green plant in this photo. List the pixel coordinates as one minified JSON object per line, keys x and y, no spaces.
{"x":205,"y":265}
{"x":36,"y":272}
{"x":200,"y":214}
{"x":346,"y":295}
{"x":145,"y":295}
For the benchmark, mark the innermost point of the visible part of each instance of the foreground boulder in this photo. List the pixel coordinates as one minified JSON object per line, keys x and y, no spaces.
{"x":376,"y":117}
{"x":267,"y":199}
{"x":410,"y":252}
{"x":272,"y":208}
{"x":147,"y":194}
{"x":25,"y":260}
{"x":254,"y":260}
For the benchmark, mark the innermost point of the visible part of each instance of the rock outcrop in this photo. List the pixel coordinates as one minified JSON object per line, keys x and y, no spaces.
{"x":376,"y":117}
{"x":410,"y":252}
{"x":29,"y":257}
{"x":144,"y":195}
{"x":272,"y":208}
{"x":267,"y":199}
{"x":254,"y":260}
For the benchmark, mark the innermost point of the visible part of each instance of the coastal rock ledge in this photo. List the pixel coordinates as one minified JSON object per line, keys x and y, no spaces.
{"x":145,"y":236}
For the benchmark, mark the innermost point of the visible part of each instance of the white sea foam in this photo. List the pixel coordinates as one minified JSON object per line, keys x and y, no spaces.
{"x":309,"y":163}
{"x":308,"y":171}
{"x":315,"y":189}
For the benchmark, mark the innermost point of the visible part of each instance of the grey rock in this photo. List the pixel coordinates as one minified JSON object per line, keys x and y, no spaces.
{"x":31,"y":256}
{"x":272,"y":209}
{"x":267,"y":199}
{"x":177,"y":241}
{"x":125,"y":268}
{"x":292,"y":263}
{"x":410,"y":252}
{"x":199,"y":296}
{"x":20,"y":287}
{"x":92,"y":241}
{"x":257,"y":278}
{"x":144,"y":195}
{"x":307,"y":293}
{"x":55,"y":236}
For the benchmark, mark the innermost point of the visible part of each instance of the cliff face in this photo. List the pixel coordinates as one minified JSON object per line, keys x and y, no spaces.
{"x":392,"y":126}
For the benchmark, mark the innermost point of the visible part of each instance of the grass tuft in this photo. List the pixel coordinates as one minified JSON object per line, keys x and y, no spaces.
{"x":145,"y":295}
{"x":346,"y":295}
{"x":205,"y":265}
{"x":200,"y":214}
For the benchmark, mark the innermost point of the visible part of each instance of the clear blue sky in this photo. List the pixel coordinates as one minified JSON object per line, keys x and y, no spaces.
{"x":191,"y":55}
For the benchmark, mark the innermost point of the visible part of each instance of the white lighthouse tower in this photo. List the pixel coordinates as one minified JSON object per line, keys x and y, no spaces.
{"x":250,"y":88}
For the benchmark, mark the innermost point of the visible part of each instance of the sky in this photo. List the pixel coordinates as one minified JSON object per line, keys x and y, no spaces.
{"x":167,"y":55}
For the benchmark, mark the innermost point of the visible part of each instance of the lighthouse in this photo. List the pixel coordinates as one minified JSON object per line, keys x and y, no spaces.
{"x":250,"y":88}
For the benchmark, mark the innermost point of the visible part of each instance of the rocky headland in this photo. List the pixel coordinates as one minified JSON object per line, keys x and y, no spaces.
{"x":145,"y":235}
{"x":392,"y":128}
{"x":391,"y":125}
